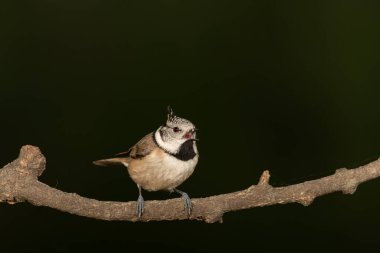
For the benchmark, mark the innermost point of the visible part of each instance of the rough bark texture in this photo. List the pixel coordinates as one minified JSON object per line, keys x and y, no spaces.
{"x":19,"y":182}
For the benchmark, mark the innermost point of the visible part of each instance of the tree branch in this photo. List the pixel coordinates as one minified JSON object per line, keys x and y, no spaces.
{"x":19,"y":182}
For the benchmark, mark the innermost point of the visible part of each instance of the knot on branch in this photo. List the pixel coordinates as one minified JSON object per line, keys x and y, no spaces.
{"x":31,"y":160}
{"x":216,"y":216}
{"x":264,"y":179}
{"x":349,"y":186}
{"x":306,"y":198}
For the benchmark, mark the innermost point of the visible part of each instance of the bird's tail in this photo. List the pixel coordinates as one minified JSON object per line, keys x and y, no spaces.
{"x":112,"y":161}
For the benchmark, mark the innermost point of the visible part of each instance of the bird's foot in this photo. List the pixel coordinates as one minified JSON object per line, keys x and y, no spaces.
{"x":186,"y":201}
{"x":140,"y":206}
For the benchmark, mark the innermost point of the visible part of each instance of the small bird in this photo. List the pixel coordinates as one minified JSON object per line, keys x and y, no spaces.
{"x":162,"y":160}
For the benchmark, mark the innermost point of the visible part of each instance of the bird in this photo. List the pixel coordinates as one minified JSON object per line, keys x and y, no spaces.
{"x":162,"y":160}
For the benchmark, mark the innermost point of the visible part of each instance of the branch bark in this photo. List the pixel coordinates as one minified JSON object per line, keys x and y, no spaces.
{"x":19,"y":182}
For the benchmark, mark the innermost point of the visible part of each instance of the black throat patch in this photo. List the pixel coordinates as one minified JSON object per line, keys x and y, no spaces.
{"x":186,"y":151}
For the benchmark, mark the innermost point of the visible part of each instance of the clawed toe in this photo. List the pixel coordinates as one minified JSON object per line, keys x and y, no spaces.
{"x":140,"y":206}
{"x":140,"y":203}
{"x":186,"y":201}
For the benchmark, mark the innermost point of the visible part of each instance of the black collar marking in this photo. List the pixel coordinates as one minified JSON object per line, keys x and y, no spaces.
{"x":186,"y":151}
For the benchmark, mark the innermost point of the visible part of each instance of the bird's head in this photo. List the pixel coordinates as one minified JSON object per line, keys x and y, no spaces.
{"x":175,"y":132}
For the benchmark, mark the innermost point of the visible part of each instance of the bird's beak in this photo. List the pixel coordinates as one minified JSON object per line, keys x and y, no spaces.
{"x":190,"y":135}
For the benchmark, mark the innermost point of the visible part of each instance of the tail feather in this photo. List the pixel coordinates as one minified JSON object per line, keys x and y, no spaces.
{"x":112,"y":161}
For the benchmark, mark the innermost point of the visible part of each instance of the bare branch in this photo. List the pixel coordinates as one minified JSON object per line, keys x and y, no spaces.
{"x":19,"y":182}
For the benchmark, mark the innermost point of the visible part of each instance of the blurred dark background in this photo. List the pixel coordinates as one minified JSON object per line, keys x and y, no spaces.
{"x":289,"y":86}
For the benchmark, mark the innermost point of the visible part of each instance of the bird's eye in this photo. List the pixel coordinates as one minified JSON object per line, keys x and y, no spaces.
{"x":176,"y":129}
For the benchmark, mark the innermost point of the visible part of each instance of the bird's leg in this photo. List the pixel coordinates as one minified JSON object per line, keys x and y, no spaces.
{"x":140,"y":204}
{"x":186,"y":201}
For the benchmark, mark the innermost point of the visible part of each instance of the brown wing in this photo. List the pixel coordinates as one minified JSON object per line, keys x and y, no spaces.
{"x":141,"y":148}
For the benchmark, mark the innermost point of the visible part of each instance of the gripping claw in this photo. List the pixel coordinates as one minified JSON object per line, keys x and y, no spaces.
{"x":186,"y":201}
{"x":140,"y":204}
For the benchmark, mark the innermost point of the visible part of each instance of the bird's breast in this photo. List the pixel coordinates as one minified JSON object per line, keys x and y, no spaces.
{"x":160,"y":170}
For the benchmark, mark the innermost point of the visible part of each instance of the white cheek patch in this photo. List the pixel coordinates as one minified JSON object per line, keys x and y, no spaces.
{"x":172,"y":146}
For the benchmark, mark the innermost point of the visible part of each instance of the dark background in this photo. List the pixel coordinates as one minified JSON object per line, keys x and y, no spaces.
{"x":288,"y":86}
